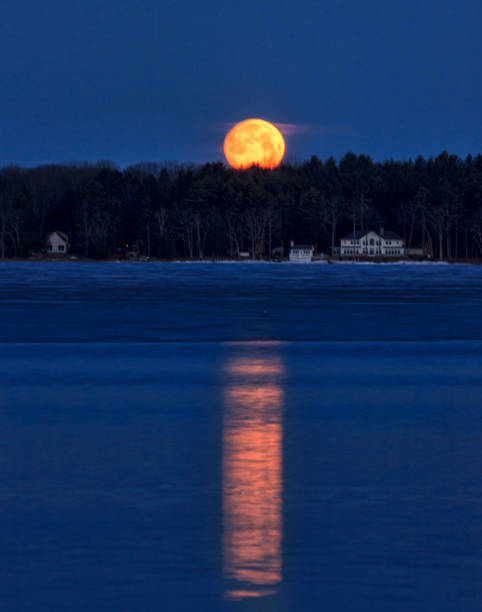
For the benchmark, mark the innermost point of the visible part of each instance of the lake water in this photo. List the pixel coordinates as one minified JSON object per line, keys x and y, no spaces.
{"x":240,"y":437}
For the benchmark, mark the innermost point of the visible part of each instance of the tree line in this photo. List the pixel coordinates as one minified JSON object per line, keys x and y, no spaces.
{"x":196,"y":211}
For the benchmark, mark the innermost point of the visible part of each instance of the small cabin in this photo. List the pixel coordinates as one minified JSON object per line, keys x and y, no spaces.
{"x":301,"y":253}
{"x":57,"y":243}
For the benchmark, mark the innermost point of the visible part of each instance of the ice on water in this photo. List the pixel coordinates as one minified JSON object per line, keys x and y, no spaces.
{"x":227,"y":437}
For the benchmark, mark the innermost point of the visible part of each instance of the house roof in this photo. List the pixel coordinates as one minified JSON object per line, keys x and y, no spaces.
{"x":359,"y":234}
{"x":64,"y":237}
{"x":301,"y":246}
{"x":391,"y":236}
{"x":354,"y":235}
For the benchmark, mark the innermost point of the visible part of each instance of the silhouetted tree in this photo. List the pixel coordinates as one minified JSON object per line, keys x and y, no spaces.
{"x":172,"y":210}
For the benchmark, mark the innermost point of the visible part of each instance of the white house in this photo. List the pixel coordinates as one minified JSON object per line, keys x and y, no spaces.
{"x":301,"y":253}
{"x":57,"y":243}
{"x":372,"y":244}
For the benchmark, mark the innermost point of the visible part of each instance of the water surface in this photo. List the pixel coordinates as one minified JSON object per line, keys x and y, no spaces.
{"x":240,"y":437}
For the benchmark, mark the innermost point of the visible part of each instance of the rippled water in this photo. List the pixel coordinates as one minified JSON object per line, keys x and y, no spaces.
{"x":240,"y":437}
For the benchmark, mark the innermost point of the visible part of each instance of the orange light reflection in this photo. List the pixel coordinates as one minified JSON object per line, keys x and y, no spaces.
{"x":252,"y":478}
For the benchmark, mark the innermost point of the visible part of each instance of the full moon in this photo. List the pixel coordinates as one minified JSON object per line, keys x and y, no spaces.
{"x":254,"y":142}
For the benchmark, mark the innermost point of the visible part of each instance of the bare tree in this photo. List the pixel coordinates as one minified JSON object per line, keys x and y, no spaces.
{"x":9,"y":215}
{"x":186,"y":224}
{"x":256,"y":222}
{"x":410,"y":214}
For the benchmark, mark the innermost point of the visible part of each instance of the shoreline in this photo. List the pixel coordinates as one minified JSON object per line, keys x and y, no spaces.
{"x":224,"y":260}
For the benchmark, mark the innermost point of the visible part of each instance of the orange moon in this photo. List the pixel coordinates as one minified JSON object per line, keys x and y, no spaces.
{"x":254,"y":142}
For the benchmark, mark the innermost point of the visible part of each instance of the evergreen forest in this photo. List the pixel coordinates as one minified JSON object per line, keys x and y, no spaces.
{"x":176,"y":210}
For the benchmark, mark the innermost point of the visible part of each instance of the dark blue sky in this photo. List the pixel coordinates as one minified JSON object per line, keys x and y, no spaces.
{"x":137,"y":80}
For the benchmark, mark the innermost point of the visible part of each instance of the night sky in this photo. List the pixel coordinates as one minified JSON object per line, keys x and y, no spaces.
{"x":139,"y":80}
